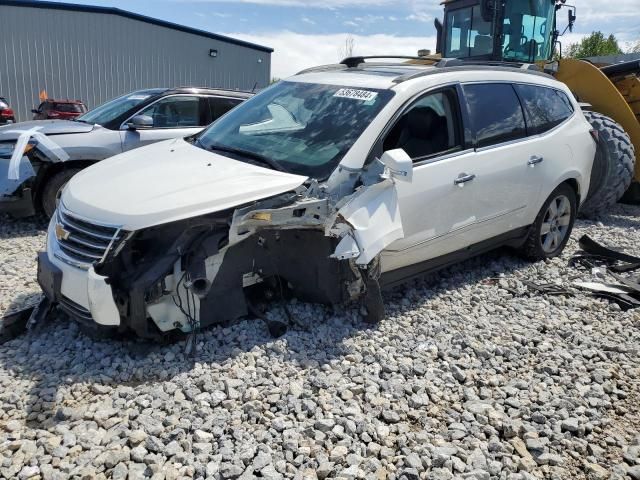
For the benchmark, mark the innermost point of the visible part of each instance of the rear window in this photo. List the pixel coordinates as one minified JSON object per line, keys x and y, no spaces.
{"x":69,"y":107}
{"x":218,"y":106}
{"x":496,"y":113}
{"x":545,"y":108}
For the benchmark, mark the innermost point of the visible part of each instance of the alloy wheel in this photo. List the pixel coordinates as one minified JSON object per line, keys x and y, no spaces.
{"x":555,"y":225}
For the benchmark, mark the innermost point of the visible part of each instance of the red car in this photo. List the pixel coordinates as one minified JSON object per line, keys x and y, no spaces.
{"x":6,"y":113}
{"x":59,"y":110}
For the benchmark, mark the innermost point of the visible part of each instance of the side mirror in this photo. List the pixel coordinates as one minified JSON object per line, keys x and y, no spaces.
{"x":35,"y":110}
{"x":140,"y":122}
{"x":399,"y":165}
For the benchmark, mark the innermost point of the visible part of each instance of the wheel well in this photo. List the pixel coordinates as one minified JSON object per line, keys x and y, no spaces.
{"x":47,"y":170}
{"x":573,"y":183}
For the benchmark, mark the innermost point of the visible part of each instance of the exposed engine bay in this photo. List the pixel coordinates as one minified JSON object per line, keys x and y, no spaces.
{"x":209,"y":270}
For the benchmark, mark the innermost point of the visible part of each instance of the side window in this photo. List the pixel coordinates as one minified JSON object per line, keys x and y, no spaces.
{"x":174,"y":112}
{"x":220,"y":106}
{"x":429,"y":127}
{"x":545,"y":108}
{"x":495,"y":113}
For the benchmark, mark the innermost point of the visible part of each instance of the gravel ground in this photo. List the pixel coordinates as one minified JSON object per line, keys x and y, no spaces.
{"x":462,"y":380}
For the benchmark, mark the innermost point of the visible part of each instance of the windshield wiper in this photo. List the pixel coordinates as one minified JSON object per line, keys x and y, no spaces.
{"x":243,"y":153}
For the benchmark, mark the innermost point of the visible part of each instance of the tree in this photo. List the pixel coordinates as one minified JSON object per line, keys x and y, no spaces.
{"x":594,"y":45}
{"x":635,"y":48}
{"x":347,"y":49}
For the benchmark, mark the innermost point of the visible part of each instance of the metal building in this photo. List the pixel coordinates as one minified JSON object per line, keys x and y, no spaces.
{"x":97,"y":53}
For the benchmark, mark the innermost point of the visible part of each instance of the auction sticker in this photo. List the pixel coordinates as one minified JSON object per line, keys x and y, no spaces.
{"x":364,"y":95}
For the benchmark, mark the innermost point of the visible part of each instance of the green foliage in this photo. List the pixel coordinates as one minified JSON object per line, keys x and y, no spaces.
{"x":594,"y":45}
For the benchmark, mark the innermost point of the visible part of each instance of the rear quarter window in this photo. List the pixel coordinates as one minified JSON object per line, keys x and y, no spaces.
{"x":495,"y":113}
{"x":545,"y":108}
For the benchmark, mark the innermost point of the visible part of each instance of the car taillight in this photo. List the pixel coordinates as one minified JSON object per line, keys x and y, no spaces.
{"x":595,"y":135}
{"x":6,"y":113}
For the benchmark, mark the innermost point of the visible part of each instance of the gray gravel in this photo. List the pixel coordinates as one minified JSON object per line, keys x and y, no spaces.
{"x":462,"y":380}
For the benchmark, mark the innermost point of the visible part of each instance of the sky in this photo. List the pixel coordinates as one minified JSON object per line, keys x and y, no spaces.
{"x":306,"y":33}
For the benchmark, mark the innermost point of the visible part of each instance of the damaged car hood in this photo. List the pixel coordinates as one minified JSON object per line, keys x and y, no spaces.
{"x":47,"y":127}
{"x":166,"y":182}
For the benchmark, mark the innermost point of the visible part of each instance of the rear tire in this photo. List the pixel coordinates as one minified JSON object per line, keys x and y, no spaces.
{"x":53,"y":188}
{"x":552,"y":228}
{"x":613,"y":166}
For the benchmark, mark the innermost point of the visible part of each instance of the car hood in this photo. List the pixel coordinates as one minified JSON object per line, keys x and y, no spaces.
{"x":48,"y":127}
{"x":166,"y":182}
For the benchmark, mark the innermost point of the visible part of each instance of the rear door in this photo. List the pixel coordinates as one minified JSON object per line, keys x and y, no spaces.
{"x":549,"y":114}
{"x":505,"y":173}
{"x":173,"y":117}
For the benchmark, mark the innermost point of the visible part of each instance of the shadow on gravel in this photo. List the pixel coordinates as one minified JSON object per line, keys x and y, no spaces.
{"x":60,"y":355}
{"x":22,"y":227}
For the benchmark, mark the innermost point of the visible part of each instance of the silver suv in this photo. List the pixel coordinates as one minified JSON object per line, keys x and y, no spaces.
{"x":53,"y":151}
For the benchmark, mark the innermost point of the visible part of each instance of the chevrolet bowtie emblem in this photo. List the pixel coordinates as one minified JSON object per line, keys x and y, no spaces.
{"x":61,"y":233}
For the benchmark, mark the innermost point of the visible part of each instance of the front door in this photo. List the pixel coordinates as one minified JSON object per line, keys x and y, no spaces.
{"x":437,"y":206}
{"x":173,"y":117}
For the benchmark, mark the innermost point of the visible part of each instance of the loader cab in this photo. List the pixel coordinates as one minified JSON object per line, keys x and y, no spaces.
{"x":510,"y":30}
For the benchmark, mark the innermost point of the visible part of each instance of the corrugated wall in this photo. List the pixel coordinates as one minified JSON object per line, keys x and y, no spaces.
{"x":95,"y":57}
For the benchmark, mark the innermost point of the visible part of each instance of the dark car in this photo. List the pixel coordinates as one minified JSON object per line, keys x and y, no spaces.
{"x":52,"y":109}
{"x":6,"y":113}
{"x":33,"y":181}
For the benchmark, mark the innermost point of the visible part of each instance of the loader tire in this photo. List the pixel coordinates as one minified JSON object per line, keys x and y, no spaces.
{"x":613,"y":166}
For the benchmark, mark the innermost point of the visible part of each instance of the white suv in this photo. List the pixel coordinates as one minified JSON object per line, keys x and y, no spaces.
{"x":330,"y":185}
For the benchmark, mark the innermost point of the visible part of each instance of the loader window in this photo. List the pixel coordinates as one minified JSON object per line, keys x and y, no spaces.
{"x":468,"y":35}
{"x":496,"y":113}
{"x":545,"y":108}
{"x":527,"y":29}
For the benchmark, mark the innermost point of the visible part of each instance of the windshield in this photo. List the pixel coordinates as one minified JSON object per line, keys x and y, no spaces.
{"x":525,"y":37}
{"x":301,"y":128}
{"x":111,"y":110}
{"x":69,"y":107}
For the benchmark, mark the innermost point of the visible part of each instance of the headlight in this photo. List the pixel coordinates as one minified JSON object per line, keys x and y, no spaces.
{"x":6,"y":149}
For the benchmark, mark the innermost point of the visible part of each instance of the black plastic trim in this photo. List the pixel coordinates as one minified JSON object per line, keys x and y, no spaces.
{"x":514,"y":238}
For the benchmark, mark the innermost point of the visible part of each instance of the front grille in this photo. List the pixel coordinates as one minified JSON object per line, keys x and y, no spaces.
{"x":83,"y":242}
{"x":74,"y":310}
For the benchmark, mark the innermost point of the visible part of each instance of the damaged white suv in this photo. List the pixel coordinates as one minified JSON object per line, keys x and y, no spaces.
{"x":329,"y":185}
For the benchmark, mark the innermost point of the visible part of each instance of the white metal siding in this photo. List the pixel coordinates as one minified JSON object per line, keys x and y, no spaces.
{"x":96,"y":56}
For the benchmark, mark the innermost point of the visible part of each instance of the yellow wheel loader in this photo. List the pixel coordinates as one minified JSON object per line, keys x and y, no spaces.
{"x":525,"y":33}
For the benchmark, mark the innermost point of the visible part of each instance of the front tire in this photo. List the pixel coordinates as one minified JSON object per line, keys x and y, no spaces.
{"x":613,"y":166}
{"x":552,"y":228}
{"x":53,"y":188}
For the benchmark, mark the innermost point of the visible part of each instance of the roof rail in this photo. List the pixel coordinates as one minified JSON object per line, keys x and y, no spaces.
{"x":322,"y":68}
{"x":457,"y":62}
{"x":466,"y":66}
{"x":353,"y":62}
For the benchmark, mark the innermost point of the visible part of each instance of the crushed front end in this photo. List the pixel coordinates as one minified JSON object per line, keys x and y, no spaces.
{"x":197,"y":272}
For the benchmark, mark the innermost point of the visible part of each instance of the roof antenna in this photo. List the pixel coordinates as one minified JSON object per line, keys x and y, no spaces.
{"x":255,"y":85}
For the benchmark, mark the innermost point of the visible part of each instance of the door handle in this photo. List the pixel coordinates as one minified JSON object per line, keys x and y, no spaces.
{"x":535,"y":160}
{"x":463,"y":178}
